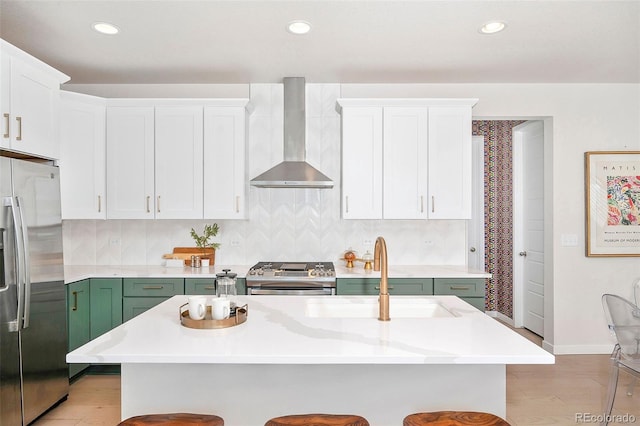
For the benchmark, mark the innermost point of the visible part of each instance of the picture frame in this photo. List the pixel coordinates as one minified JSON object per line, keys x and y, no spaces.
{"x":612,"y":203}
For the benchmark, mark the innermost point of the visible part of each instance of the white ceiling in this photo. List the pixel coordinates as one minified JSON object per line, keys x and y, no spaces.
{"x":378,"y":41}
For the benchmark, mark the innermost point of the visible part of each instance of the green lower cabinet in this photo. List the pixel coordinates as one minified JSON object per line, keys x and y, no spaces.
{"x":78,"y":319}
{"x":397,"y":286}
{"x":106,"y":305}
{"x":94,"y":306}
{"x":471,"y":290}
{"x":142,"y":294}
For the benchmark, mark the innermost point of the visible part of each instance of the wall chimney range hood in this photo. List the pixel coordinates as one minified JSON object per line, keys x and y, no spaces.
{"x":294,"y":171}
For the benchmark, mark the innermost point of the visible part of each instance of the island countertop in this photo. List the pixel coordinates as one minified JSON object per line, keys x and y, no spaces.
{"x":279,"y":330}
{"x":73,"y":273}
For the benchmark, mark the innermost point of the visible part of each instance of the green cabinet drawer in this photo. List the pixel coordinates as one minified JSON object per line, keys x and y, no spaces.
{"x":152,"y":287}
{"x":200,"y":286}
{"x":397,"y":286}
{"x":134,"y":306}
{"x":461,"y":287}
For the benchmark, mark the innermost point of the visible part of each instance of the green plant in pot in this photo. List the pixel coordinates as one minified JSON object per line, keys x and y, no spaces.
{"x":204,"y":243}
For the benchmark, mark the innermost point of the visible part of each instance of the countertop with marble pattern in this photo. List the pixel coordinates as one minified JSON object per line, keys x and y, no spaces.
{"x":296,"y":330}
{"x":73,"y":273}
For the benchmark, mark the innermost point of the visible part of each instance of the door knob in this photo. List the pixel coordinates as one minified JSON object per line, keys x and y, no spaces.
{"x":472,"y":249}
{"x":522,"y":253}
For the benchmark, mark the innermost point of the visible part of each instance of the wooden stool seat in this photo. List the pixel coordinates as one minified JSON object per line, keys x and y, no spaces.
{"x":318,"y":420}
{"x":174,"y":419}
{"x":453,"y":418}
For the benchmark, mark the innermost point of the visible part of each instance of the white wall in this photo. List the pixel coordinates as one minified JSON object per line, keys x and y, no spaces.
{"x":582,"y":117}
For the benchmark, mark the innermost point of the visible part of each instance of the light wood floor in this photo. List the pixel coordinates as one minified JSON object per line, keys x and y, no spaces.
{"x":536,"y":394}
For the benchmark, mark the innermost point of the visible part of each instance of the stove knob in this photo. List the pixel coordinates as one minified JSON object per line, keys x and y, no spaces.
{"x":252,"y":271}
{"x":330,"y":272}
{"x":322,"y":273}
{"x":260,"y":271}
{"x":313,"y":273}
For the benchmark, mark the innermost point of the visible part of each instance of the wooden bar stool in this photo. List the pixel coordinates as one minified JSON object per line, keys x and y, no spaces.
{"x":174,"y":419}
{"x":318,"y":420}
{"x":453,"y":418}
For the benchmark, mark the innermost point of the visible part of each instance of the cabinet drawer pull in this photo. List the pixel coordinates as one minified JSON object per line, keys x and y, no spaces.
{"x":99,"y":204}
{"x":153,"y":287}
{"x":75,"y":301}
{"x":148,"y":200}
{"x":210,"y":287}
{"x":389,"y":288}
{"x":433,"y":204}
{"x":158,"y":206}
{"x":7,"y":125}
{"x":422,"y":204}
{"x":237,"y":204}
{"x":459,"y":287}
{"x":346,"y":202}
{"x":19,"y":120}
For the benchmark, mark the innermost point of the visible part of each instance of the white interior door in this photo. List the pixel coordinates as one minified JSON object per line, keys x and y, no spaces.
{"x":475,"y":227}
{"x":528,"y":241}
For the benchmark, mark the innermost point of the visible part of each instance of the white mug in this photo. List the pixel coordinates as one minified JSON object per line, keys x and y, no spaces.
{"x":197,"y":307}
{"x":220,"y":308}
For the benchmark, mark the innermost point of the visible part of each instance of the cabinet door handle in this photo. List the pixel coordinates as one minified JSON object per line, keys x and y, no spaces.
{"x":378,"y":288}
{"x":459,"y":287}
{"x":148,"y":200}
{"x":210,"y":287}
{"x":433,"y":204}
{"x":158,"y":206}
{"x":237,"y":204}
{"x":99,"y":204}
{"x":422,"y":204}
{"x":75,"y":301}
{"x":7,"y":125}
{"x":346,"y":202}
{"x":153,"y":287}
{"x":19,"y":120}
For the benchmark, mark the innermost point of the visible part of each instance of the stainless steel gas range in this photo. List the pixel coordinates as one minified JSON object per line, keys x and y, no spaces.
{"x":292,"y":278}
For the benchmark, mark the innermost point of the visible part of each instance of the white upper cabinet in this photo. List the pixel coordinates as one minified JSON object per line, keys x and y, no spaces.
{"x":362,"y":163}
{"x":29,"y":103}
{"x":82,"y":156}
{"x":225,"y":183}
{"x":405,"y":163}
{"x":176,"y":159}
{"x":178,"y":162}
{"x":406,"y":158}
{"x":450,"y":163}
{"x":130,"y":163}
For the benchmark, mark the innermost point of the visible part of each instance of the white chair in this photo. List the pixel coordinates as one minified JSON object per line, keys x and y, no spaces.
{"x":623,"y":318}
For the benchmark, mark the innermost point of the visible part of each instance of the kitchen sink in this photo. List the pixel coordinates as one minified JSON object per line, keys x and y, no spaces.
{"x":359,"y":307}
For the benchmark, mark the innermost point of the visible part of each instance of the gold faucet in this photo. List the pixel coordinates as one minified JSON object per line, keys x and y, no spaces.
{"x":380,"y":257}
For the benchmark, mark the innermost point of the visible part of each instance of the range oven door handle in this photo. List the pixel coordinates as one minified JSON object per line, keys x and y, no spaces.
{"x":327,"y":291}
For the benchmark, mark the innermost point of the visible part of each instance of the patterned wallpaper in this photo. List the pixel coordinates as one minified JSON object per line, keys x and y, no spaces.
{"x":498,"y":211}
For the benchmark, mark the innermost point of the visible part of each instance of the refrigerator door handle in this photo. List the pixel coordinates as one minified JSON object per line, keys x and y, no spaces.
{"x":17,"y":228}
{"x":25,"y":262}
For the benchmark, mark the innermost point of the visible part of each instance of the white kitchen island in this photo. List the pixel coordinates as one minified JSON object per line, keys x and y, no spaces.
{"x":315,"y":354}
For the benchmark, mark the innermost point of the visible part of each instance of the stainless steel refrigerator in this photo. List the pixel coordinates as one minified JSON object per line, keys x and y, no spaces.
{"x":33,"y":324}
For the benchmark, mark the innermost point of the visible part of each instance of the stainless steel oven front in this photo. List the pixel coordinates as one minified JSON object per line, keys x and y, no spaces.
{"x":292,"y":278}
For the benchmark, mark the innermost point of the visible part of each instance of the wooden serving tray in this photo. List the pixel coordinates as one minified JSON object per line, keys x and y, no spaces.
{"x":185,"y":254}
{"x":238,"y":318}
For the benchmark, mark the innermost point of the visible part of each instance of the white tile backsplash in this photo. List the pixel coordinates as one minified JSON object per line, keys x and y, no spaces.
{"x":287,"y":224}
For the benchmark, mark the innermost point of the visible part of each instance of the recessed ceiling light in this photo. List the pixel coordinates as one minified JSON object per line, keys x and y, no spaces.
{"x":105,"y":28}
{"x":298,"y":27}
{"x":492,"y":27}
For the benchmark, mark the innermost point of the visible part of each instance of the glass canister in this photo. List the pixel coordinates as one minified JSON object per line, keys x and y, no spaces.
{"x":226,"y":283}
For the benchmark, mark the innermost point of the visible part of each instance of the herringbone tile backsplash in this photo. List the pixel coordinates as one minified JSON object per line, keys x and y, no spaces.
{"x":282,"y":224}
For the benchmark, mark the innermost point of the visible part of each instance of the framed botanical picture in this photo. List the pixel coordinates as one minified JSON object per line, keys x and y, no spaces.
{"x":613,"y":203}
